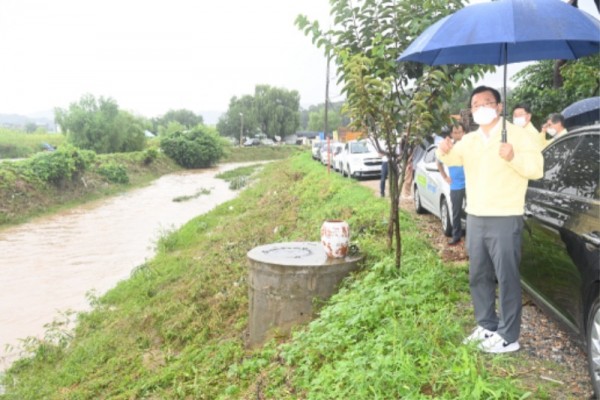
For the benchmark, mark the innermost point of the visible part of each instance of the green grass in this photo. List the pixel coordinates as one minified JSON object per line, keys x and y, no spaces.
{"x":239,"y":177}
{"x":201,"y":192}
{"x":16,"y":144}
{"x":255,"y":153}
{"x":24,"y":195}
{"x":176,"y":328}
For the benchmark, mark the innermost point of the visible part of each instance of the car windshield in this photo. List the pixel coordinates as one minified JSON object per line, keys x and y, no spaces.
{"x":358,"y":147}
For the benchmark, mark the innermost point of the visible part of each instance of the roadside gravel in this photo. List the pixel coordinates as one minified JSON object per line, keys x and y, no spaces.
{"x":552,"y":359}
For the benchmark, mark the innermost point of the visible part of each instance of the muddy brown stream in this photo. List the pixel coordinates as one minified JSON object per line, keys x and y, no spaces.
{"x":49,"y":264}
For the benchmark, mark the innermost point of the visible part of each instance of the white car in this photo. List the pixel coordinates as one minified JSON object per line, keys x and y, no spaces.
{"x":316,"y":149}
{"x":431,"y":192}
{"x":359,"y":159}
{"x":328,"y":152}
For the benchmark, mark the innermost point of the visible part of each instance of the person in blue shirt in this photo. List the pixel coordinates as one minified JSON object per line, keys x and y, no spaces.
{"x":456,"y":179}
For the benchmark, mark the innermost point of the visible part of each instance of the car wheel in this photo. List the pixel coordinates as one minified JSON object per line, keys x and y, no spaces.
{"x":445,"y":217}
{"x":593,"y":344}
{"x":418,"y":207}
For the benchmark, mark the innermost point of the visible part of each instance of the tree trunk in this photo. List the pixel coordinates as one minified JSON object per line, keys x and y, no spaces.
{"x":557,"y":79}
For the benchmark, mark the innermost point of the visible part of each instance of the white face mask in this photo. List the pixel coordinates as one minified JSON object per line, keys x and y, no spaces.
{"x":520,"y":121}
{"x":484,"y":115}
{"x":551,"y":131}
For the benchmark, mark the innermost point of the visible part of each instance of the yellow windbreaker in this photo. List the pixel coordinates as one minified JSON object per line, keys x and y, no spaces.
{"x":496,"y":187}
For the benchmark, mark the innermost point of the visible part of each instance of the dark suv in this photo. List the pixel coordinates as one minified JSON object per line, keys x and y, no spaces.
{"x":560,"y":266}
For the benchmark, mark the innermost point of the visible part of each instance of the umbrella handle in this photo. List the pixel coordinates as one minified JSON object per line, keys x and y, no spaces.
{"x":503,"y":140}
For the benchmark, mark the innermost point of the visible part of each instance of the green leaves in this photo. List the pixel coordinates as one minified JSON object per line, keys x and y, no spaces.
{"x":62,"y":165}
{"x":580,"y":79}
{"x":196,"y":148}
{"x":99,"y":125}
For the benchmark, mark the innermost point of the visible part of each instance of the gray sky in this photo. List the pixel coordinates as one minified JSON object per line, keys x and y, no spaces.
{"x":155,"y":55}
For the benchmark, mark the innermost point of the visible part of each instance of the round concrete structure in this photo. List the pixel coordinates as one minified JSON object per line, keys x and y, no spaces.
{"x":285,"y":280}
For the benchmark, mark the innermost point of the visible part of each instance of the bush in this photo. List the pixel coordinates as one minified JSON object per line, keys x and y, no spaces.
{"x":149,"y":156}
{"x":64,"y":164}
{"x":113,"y":172}
{"x":199,"y":147}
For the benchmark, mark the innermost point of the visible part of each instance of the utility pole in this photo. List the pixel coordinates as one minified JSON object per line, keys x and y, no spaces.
{"x":327,"y":94}
{"x":326,"y":109}
{"x":241,"y":127}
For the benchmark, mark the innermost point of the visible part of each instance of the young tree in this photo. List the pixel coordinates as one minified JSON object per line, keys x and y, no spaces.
{"x":99,"y":125}
{"x":396,"y":104}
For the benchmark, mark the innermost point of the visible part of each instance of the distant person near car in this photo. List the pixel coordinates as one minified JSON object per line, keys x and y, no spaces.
{"x":456,"y":180}
{"x":554,"y":127}
{"x":522,"y":117}
{"x":496,"y":175}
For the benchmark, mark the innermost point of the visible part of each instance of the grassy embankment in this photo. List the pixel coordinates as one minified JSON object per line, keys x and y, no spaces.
{"x":15,"y":144}
{"x":23,"y":196}
{"x":176,"y":328}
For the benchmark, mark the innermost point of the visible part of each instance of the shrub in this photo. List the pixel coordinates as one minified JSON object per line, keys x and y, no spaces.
{"x":149,"y":156}
{"x":113,"y":172}
{"x":199,"y":147}
{"x":65,"y":164}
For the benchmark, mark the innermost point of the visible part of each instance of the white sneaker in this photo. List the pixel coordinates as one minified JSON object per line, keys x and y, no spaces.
{"x":478,"y":335}
{"x":497,"y":344}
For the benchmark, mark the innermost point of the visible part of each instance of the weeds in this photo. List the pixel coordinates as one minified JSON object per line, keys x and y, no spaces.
{"x":199,"y":193}
{"x":179,"y":332}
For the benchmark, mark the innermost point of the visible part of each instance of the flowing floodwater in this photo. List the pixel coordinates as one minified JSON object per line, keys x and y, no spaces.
{"x":48,"y":265}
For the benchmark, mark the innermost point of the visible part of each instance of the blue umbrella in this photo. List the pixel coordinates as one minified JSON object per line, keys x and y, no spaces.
{"x":582,"y":112}
{"x":507,"y":31}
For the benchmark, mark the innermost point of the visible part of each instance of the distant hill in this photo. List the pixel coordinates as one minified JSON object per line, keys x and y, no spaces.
{"x":15,"y":121}
{"x":46,"y":119}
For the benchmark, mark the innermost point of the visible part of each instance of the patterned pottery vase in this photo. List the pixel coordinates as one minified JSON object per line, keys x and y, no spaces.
{"x":335,"y":238}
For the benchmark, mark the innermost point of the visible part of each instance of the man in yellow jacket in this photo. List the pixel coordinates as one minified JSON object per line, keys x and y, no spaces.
{"x":522,"y":118}
{"x":496,"y":175}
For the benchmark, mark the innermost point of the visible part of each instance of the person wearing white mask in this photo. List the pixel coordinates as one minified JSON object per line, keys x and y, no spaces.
{"x":522,"y":117}
{"x":496,"y":177}
{"x":554,"y":127}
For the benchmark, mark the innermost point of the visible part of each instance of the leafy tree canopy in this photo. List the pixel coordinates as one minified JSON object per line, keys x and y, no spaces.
{"x":580,"y":79}
{"x":99,"y":125}
{"x":395,"y":103}
{"x":313,"y":118}
{"x":199,"y":147}
{"x":184,"y":117}
{"x":272,"y":111}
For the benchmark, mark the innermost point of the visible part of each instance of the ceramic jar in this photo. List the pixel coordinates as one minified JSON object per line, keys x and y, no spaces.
{"x":335,"y":238}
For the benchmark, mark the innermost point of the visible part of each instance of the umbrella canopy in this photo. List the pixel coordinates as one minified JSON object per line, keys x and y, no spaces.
{"x":507,"y":31}
{"x":582,"y":112}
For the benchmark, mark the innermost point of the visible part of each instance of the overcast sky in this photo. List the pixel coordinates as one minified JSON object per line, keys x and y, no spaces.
{"x":155,"y":55}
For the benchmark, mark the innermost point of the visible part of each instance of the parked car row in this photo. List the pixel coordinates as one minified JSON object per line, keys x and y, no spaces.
{"x":259,"y":142}
{"x":356,"y":158}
